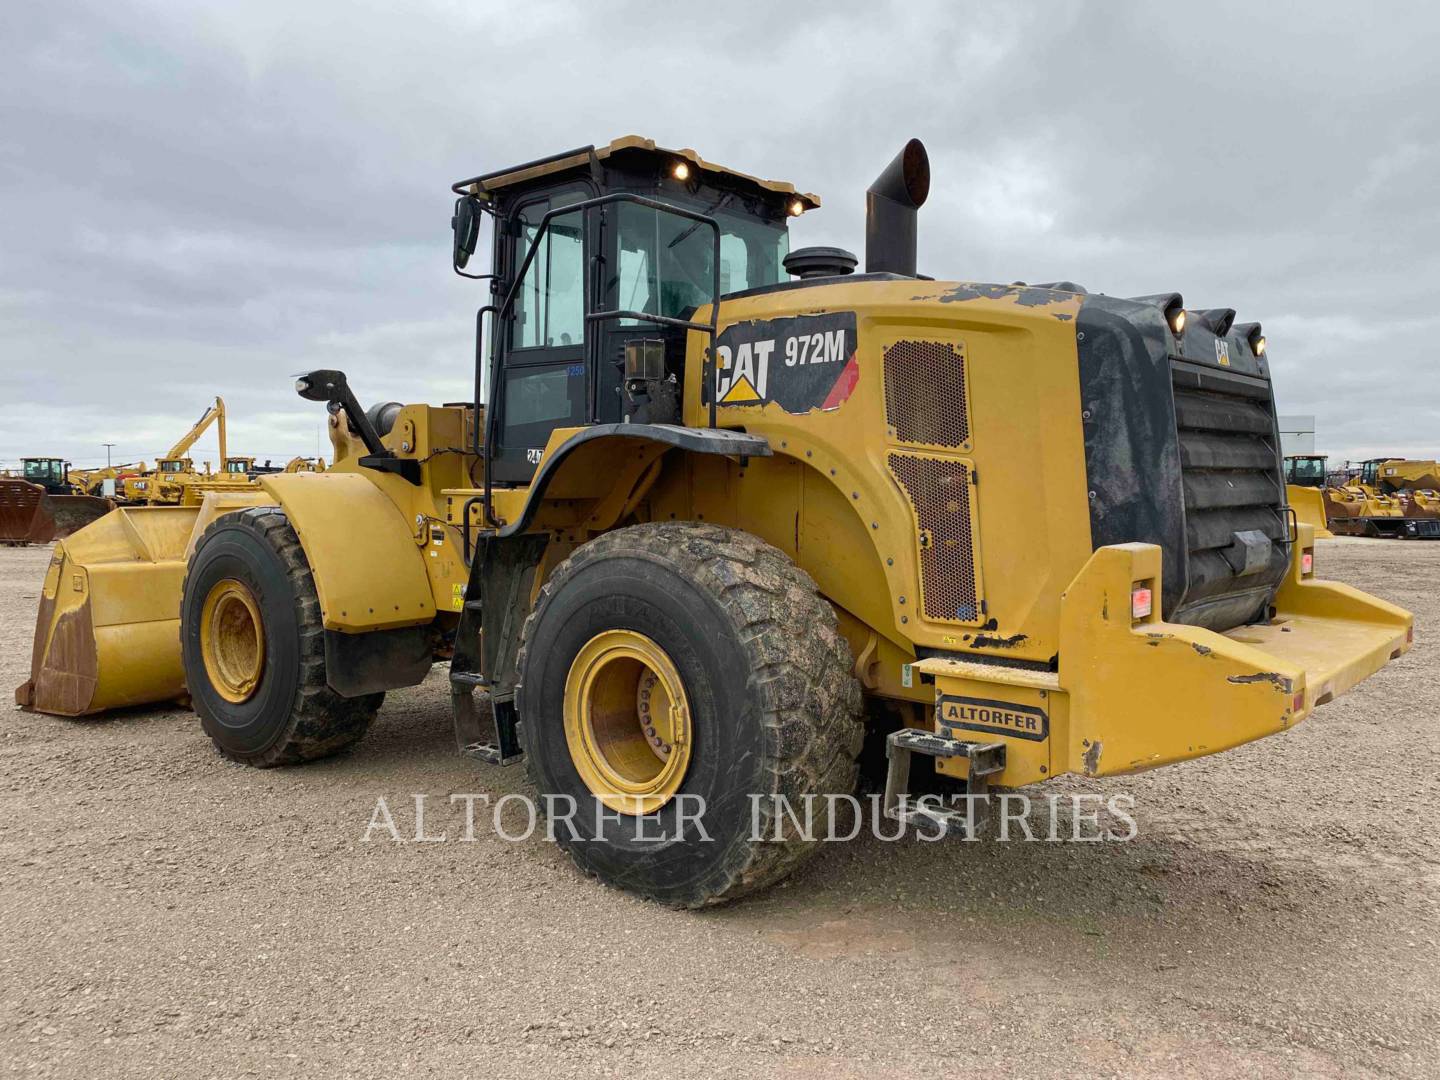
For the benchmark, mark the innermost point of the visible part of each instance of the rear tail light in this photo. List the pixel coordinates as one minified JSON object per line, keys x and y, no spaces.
{"x":1307,"y":563}
{"x":1297,"y":704}
{"x":1410,"y":634}
{"x":1142,"y":602}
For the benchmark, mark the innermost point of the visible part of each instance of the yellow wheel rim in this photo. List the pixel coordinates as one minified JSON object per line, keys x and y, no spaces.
{"x":627,"y":722}
{"x":232,"y":640}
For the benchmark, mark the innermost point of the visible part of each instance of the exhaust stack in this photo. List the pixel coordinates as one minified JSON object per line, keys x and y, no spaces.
{"x":891,"y":203}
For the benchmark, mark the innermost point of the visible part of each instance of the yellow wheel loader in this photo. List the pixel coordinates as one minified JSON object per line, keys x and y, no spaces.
{"x":1305,"y":492}
{"x":45,"y":503}
{"x":1367,"y":506}
{"x":729,"y":510}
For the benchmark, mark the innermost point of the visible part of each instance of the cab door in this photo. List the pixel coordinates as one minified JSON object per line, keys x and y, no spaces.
{"x":544,"y":380}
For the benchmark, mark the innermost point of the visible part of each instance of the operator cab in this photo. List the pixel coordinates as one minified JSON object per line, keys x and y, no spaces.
{"x":1305,"y":470}
{"x":174,"y":465}
{"x":1370,"y":471}
{"x":50,"y":473}
{"x":606,"y":283}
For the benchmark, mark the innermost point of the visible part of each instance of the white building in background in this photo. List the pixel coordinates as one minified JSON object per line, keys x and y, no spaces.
{"x":1297,"y":434}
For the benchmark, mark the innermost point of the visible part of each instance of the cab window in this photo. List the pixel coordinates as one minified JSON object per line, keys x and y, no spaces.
{"x":549,"y":305}
{"x":665,"y":261}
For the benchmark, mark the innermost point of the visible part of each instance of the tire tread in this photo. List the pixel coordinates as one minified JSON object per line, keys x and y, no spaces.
{"x":801,"y":669}
{"x":322,"y":722}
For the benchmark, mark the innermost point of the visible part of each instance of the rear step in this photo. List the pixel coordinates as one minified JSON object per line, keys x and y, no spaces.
{"x":500,"y":744}
{"x":986,"y":759}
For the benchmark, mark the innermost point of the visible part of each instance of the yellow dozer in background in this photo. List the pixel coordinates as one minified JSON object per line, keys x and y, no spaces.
{"x":731,"y":513}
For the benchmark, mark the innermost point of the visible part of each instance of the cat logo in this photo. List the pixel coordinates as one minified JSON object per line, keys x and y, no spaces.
{"x":743,"y":374}
{"x":994,"y":717}
{"x":1222,"y":352}
{"x":800,"y":363}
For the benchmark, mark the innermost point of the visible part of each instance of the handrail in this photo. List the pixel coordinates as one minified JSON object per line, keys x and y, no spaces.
{"x":712,"y":328}
{"x":459,"y":185}
{"x":475,"y":443}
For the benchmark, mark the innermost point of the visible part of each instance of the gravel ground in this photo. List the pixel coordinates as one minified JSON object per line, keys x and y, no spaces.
{"x":164,"y":912}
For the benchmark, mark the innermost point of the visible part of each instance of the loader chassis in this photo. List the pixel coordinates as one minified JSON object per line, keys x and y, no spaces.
{"x":1038,"y":530}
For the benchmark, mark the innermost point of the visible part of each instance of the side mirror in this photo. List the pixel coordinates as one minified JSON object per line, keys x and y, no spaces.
{"x":465,"y":223}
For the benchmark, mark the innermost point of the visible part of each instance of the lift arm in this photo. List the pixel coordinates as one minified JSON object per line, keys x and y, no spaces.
{"x":213,"y":415}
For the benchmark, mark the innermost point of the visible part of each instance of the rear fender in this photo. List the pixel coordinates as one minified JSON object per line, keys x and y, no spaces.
{"x":589,"y":478}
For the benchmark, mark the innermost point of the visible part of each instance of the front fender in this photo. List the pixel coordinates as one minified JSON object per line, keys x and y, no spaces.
{"x":369,"y":572}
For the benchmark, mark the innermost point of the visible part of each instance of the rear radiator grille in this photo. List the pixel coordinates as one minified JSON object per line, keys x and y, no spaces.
{"x":941,"y":494}
{"x":1230,"y":474}
{"x":925,"y":399}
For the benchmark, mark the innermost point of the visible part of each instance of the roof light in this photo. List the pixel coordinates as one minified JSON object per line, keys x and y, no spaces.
{"x":1260,"y":346}
{"x":680,"y":170}
{"x":796,"y":208}
{"x":1142,"y":602}
{"x":1177,"y":321}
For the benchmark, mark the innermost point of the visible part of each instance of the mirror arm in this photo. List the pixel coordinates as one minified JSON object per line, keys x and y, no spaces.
{"x":331,"y":387}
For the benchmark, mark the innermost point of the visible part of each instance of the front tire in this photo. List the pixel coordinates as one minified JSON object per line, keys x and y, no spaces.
{"x":718,"y":652}
{"x":253,"y":646}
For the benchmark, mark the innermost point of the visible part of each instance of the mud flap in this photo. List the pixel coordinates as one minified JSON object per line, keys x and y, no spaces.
{"x":360,"y":664}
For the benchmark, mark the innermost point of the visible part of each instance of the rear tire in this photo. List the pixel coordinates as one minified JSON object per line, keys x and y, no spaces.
{"x":253,"y":646}
{"x":773,"y":706}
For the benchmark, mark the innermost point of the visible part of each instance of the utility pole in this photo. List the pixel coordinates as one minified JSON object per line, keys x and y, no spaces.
{"x":107,"y":446}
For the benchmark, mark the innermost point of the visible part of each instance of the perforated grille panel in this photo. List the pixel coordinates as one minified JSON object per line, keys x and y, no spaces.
{"x":939,"y":490}
{"x":925,"y":393}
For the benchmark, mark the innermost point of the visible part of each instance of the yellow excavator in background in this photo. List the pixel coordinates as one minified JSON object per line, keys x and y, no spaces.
{"x":1305,"y":491}
{"x":92,"y":481}
{"x":176,"y":482}
{"x":174,"y":471}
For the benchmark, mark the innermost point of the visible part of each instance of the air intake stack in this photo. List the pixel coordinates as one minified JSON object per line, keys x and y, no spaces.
{"x":891,"y":206}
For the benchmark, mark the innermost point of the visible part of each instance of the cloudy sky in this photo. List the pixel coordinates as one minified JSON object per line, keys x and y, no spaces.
{"x":205,"y":198}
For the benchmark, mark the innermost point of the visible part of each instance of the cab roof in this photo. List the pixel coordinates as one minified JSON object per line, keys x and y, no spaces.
{"x":627,"y":144}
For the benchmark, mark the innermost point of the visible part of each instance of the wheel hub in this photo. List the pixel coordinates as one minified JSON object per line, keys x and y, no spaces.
{"x":627,"y":721}
{"x":232,"y":640}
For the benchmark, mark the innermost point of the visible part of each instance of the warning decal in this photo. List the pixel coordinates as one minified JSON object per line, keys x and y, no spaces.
{"x":801,"y":362}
